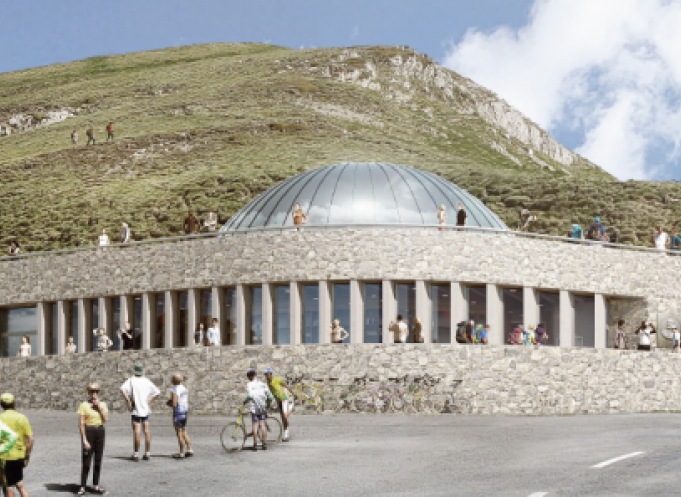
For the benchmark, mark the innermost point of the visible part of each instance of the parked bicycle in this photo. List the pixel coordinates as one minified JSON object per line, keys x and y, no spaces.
{"x":233,"y":436}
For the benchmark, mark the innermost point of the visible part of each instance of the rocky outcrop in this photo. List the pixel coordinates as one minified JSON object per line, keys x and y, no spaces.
{"x":25,"y":122}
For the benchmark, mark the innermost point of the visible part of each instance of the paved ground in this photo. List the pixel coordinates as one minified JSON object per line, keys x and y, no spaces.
{"x":381,"y":455}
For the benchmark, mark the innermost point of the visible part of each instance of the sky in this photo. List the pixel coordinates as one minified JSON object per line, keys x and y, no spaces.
{"x":600,"y":76}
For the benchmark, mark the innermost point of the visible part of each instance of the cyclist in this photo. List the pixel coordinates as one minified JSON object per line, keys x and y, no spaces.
{"x":285,"y":403}
{"x":260,"y":398}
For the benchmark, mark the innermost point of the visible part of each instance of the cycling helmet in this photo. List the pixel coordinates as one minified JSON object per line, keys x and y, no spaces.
{"x":268,"y":371}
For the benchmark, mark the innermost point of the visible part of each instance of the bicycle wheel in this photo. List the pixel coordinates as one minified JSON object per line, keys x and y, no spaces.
{"x":462,"y":406}
{"x":332,"y":402}
{"x":308,"y":397}
{"x":384,"y":398}
{"x":233,"y":437}
{"x":273,"y":431}
{"x":400,"y":403}
{"x":438,"y":402}
{"x":365,"y":401}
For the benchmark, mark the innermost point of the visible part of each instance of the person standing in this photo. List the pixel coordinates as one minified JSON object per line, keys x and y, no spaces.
{"x":139,"y":393}
{"x":179,"y":401}
{"x":25,"y":347}
{"x":191,"y":224}
{"x":675,"y":242}
{"x":299,"y":217}
{"x":484,"y":335}
{"x":109,"y":132}
{"x":74,"y":138}
{"x":211,"y":222}
{"x":125,"y":233}
{"x":104,"y":343}
{"x":644,"y":332}
{"x":213,"y":334}
{"x":541,"y":336}
{"x":14,"y":461}
{"x":103,"y":239}
{"x":460,"y":215}
{"x":417,"y":331}
{"x":90,"y":135}
{"x":199,"y":335}
{"x":13,"y":250}
{"x":660,"y":239}
{"x":285,"y":404}
{"x":70,"y":347}
{"x":676,"y":337}
{"x":516,"y":336}
{"x":338,"y":333}
{"x":596,"y":231}
{"x":620,"y":341}
{"x":259,"y":397}
{"x":126,"y":336}
{"x":442,"y":217}
{"x":400,"y":330}
{"x":93,"y":414}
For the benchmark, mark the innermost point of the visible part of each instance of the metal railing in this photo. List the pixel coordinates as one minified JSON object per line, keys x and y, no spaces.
{"x":323,"y":227}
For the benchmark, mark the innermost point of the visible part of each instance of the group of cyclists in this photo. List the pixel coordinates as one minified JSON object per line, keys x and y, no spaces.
{"x":260,"y":396}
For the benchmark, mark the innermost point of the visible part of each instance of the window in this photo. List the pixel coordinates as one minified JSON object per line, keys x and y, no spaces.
{"x":585,"y":326}
{"x":73,"y":332}
{"x":14,"y":324}
{"x":476,"y":298}
{"x":255,"y":332}
{"x":373,"y":313}
{"x":282,"y":315}
{"x":341,"y":308}
{"x":90,"y":338}
{"x":513,"y":310}
{"x":117,"y":325}
{"x":135,"y":317}
{"x":549,"y":314}
{"x":206,"y":308}
{"x":52,"y":321}
{"x":160,"y":322}
{"x":406,"y":305}
{"x":230,"y":316}
{"x":181,"y":330}
{"x":310,"y":313}
{"x":442,"y":322}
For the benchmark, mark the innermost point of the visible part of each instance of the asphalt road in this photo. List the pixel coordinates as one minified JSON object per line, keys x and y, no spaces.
{"x":380,"y":455}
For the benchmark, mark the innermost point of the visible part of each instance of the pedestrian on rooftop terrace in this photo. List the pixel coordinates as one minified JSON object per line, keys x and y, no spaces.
{"x":674,"y":242}
{"x":575,"y":232}
{"x":109,"y":132}
{"x":645,"y":332}
{"x":125,"y":233}
{"x":620,"y":341}
{"x":13,"y":249}
{"x":211,"y":222}
{"x":526,"y":220}
{"x":613,"y":237}
{"x":103,"y":238}
{"x":442,"y":217}
{"x":191,"y":224}
{"x":460,"y":215}
{"x":299,"y":217}
{"x":90,"y":135}
{"x":660,"y":239}
{"x":74,"y":138}
{"x":596,"y":231}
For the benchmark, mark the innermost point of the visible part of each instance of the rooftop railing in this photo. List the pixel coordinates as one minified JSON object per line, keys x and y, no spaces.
{"x":322,"y":227}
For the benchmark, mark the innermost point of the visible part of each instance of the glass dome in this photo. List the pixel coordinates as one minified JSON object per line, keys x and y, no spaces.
{"x":359,"y":193}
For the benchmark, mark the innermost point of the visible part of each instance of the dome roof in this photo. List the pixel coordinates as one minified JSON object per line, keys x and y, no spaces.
{"x":362,"y":193}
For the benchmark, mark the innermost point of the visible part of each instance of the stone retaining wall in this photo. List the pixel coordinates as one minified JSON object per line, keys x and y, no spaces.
{"x":496,"y":379}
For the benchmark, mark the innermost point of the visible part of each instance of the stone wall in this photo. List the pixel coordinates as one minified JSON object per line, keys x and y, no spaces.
{"x":495,"y":379}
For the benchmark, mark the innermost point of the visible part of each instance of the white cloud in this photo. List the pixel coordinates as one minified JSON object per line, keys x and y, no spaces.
{"x":608,"y":68}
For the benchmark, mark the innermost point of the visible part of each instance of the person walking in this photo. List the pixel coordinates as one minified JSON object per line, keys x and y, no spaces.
{"x":90,"y":135}
{"x":103,"y":239}
{"x":199,"y":335}
{"x":74,"y":138}
{"x":104,"y":343}
{"x":93,"y":414}
{"x":109,"y":132}
{"x":442,"y":217}
{"x":14,"y":461}
{"x":70,"y":347}
{"x":126,"y":337}
{"x":139,"y":392}
{"x":284,"y":402}
{"x":338,"y":333}
{"x":191,"y":224}
{"x":674,"y":242}
{"x":660,"y":239}
{"x":211,"y":222}
{"x":213,"y":334}
{"x":125,"y":233}
{"x":25,"y":347}
{"x":620,"y":338}
{"x":259,"y":398}
{"x":645,"y":332}
{"x":179,"y":401}
{"x":460,"y":215}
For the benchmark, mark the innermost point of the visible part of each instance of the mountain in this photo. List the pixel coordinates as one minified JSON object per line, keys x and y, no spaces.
{"x":208,"y":127}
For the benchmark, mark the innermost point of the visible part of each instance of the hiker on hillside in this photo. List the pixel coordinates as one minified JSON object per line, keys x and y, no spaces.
{"x":576,"y":232}
{"x":596,"y":231}
{"x":526,"y":220}
{"x":125,"y":233}
{"x":90,"y":135}
{"x":191,"y":224}
{"x":660,"y":239}
{"x":460,"y":215}
{"x":74,"y":138}
{"x":109,"y":132}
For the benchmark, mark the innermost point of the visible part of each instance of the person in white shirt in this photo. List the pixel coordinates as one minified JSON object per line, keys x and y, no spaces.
{"x":400,"y":330}
{"x":259,"y":396}
{"x":179,"y":401}
{"x":644,"y":333}
{"x":103,"y":238}
{"x":104,"y":343}
{"x":25,"y":348}
{"x":125,"y":233}
{"x":70,"y":347}
{"x":213,"y":334}
{"x":139,"y":392}
{"x":210,"y":222}
{"x":661,"y":239}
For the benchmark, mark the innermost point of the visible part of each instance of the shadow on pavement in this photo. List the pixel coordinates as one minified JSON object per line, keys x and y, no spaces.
{"x":70,"y":488}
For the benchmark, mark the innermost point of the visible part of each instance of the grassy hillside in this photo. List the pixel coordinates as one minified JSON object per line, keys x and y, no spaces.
{"x":211,"y":126}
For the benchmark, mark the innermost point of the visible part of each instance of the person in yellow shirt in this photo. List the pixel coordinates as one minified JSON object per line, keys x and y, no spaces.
{"x":285,"y":403}
{"x":16,"y":459}
{"x":93,"y":414}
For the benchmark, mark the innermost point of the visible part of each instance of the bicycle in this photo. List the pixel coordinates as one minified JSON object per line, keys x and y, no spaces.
{"x":311,"y":395}
{"x":459,"y":404}
{"x":381,"y":398}
{"x":337,"y":400}
{"x":234,"y":435}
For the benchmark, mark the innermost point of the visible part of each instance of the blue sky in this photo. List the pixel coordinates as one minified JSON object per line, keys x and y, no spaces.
{"x":600,"y":76}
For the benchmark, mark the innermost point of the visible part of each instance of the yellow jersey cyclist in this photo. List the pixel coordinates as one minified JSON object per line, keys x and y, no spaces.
{"x":284,"y":401}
